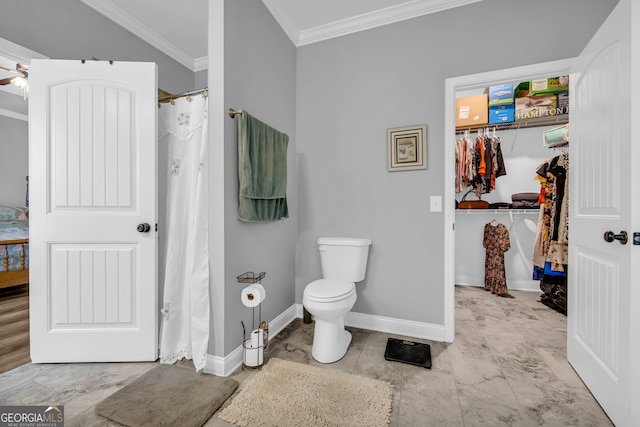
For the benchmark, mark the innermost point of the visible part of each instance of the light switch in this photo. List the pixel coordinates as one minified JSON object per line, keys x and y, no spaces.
{"x":436,"y":203}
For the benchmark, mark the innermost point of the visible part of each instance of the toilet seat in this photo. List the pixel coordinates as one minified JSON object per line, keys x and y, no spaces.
{"x":327,"y":290}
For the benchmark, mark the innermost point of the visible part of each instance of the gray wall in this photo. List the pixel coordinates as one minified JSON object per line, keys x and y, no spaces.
{"x":68,"y":29}
{"x":14,"y":161}
{"x":260,"y":75}
{"x":351,"y":89}
{"x":335,"y":99}
{"x":200,"y":80}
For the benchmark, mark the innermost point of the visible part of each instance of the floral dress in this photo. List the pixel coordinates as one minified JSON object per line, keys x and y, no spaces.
{"x":496,"y":241}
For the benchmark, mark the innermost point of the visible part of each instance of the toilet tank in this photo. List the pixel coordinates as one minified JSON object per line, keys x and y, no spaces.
{"x":344,"y":258}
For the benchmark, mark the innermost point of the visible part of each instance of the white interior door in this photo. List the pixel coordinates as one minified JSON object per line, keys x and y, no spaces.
{"x":601,"y":273}
{"x":92,"y":168}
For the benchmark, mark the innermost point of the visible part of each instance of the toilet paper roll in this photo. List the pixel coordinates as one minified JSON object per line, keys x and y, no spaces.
{"x":257,"y":338}
{"x":253,"y":295}
{"x":252,"y":356}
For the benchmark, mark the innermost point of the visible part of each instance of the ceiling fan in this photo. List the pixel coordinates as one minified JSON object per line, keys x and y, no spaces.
{"x":20,"y":80}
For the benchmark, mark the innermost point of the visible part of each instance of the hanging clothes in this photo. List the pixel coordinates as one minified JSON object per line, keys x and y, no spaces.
{"x":551,"y":254}
{"x":461,"y":161}
{"x":478,"y":163}
{"x":551,"y":244}
{"x":185,"y":326}
{"x":481,"y":167}
{"x":496,"y":242}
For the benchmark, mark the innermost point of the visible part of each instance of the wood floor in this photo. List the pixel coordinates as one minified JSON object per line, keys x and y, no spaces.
{"x":14,"y":327}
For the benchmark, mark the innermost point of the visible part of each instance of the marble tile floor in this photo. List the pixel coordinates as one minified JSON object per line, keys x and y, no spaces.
{"x":507,"y":367}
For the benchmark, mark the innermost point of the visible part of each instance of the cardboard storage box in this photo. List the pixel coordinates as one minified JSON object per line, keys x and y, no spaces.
{"x":472,"y":110}
{"x":532,"y":107}
{"x":556,"y":137}
{"x":562,"y":103}
{"x":521,"y":90}
{"x":499,"y":95}
{"x":502,"y":114}
{"x":550,"y":85}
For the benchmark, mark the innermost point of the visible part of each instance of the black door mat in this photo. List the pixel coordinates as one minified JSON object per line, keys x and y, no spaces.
{"x":410,"y":352}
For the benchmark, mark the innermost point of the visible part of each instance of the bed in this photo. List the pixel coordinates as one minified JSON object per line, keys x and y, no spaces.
{"x":14,"y":246}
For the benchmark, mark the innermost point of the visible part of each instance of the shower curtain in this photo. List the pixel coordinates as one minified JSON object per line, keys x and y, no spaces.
{"x":185,"y":320}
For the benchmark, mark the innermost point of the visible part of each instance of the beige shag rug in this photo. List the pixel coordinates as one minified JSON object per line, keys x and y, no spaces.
{"x":286,"y":394}
{"x":167,"y":395}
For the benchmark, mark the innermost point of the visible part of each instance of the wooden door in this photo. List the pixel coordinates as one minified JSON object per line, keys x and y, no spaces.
{"x":92,"y":162}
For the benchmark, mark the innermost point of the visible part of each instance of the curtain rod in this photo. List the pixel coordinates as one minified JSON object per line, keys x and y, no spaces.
{"x":164,"y":96}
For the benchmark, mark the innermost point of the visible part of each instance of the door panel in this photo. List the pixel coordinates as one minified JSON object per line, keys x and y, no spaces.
{"x":86,"y":300}
{"x":92,"y":146}
{"x":93,"y":180}
{"x":598,"y":103}
{"x":596,"y":320}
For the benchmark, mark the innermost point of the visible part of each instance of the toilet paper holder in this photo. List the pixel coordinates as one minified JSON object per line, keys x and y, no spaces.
{"x":251,"y":277}
{"x":253,"y":349}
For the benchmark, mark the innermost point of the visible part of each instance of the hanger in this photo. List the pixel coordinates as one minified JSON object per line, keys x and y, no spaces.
{"x":494,"y":221}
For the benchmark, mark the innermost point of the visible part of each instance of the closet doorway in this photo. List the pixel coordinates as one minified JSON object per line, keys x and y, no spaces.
{"x":453,"y":88}
{"x":602,"y":296}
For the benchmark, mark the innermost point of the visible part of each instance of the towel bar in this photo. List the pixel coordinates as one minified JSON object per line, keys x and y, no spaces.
{"x":232,"y":112}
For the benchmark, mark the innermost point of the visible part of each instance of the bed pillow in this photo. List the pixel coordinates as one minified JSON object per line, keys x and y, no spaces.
{"x":24,"y":213}
{"x":8,"y":213}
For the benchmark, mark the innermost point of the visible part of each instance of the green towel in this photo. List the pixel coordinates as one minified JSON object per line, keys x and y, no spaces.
{"x":262,"y":171}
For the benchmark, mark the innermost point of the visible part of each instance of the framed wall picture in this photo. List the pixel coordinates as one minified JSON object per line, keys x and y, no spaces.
{"x":407,"y":148}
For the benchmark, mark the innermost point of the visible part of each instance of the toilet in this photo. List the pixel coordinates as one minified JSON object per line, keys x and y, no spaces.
{"x":344,"y":262}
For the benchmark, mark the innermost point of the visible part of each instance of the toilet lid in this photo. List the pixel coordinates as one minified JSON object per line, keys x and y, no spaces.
{"x":326,"y":289}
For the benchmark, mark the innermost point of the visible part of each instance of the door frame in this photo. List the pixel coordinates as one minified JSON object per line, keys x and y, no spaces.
{"x":469,"y":83}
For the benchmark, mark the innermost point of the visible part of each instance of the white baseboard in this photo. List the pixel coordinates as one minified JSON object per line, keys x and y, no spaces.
{"x":390,"y":325}
{"x":225,"y":366}
{"x":516,"y":285}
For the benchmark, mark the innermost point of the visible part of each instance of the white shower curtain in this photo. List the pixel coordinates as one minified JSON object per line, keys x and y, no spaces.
{"x":185,"y":320}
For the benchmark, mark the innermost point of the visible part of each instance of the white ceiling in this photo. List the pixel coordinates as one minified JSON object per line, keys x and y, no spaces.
{"x":180,"y":28}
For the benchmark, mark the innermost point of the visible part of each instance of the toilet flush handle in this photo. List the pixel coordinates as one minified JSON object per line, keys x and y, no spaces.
{"x":323,"y":249}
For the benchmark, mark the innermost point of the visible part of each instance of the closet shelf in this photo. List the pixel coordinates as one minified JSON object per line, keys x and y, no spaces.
{"x":497,"y":211}
{"x":537,"y":122}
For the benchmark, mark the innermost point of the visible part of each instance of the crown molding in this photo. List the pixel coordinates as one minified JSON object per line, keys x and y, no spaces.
{"x":17,"y":53}
{"x":378,"y":18}
{"x":136,"y":27}
{"x":284,"y":19}
{"x":201,"y":64}
{"x":14,"y":115}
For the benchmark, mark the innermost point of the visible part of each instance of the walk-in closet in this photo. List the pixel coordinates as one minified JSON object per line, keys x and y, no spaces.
{"x":501,"y":176}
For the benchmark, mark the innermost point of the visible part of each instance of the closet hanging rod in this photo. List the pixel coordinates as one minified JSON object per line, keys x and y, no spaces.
{"x":232,"y":112}
{"x":164,"y":96}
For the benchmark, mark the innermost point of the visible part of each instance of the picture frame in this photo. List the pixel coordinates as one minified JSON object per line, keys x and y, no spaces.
{"x":407,"y":148}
